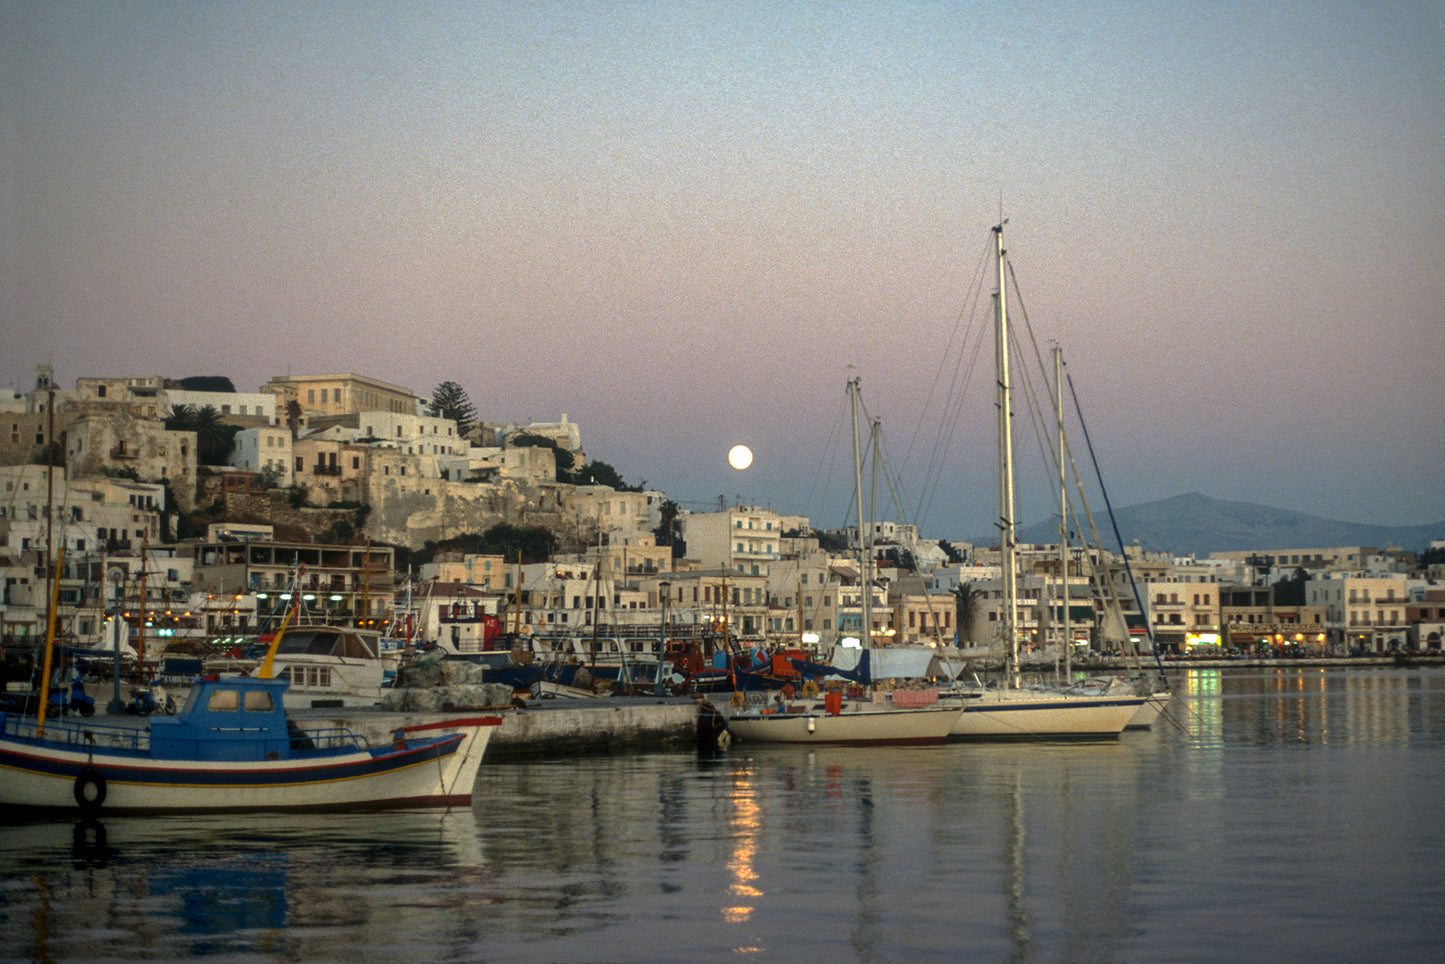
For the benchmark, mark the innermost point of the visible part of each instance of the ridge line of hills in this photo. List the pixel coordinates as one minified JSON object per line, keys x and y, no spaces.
{"x":1195,"y":524}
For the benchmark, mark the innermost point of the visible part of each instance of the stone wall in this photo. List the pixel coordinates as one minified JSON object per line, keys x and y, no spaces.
{"x":273,"y":507}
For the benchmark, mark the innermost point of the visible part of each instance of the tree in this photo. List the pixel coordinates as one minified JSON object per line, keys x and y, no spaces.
{"x":669,"y":533}
{"x":1290,"y":591}
{"x":214,"y":438}
{"x":532,"y":543}
{"x":207,"y":383}
{"x":965,"y":610}
{"x":600,"y":473}
{"x":565,"y":459}
{"x":449,"y":400}
{"x":293,"y":416}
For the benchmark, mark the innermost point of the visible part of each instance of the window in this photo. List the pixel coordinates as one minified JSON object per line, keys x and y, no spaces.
{"x":223,"y":701}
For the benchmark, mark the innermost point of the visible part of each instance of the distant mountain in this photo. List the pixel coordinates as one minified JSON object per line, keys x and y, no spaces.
{"x":1195,"y":524}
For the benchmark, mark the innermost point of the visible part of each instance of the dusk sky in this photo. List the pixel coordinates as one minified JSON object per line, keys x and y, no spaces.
{"x":687,"y":224}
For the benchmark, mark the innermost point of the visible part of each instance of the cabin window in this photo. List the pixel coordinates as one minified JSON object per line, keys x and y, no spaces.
{"x":223,"y":701}
{"x":259,"y":701}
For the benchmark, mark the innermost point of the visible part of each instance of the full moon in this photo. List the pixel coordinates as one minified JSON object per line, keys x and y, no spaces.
{"x":740,"y":456}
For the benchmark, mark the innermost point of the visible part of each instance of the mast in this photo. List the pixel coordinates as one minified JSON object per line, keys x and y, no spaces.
{"x":140,"y":632}
{"x":1005,"y":468}
{"x":863,"y":555}
{"x":1067,"y":638}
{"x":51,"y":575}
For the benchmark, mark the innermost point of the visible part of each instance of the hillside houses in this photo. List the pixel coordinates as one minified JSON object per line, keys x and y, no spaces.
{"x":131,"y":500}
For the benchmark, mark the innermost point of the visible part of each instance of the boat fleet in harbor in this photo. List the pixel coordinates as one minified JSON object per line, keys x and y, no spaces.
{"x":233,"y":744}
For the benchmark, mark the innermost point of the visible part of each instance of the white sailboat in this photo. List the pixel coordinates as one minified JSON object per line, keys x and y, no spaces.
{"x":906,"y":717}
{"x":1013,"y":712}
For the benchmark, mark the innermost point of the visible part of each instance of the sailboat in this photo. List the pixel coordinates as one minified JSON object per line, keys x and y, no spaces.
{"x":901,"y":718}
{"x":1012,"y":711}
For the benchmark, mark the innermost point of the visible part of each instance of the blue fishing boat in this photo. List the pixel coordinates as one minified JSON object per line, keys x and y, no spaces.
{"x":233,"y":748}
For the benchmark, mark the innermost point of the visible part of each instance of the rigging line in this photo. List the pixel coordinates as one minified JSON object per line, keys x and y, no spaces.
{"x":1072,"y":464}
{"x":947,"y":353}
{"x":815,"y":497}
{"x":1107,"y":584}
{"x":891,"y":482}
{"x":966,"y":360}
{"x":1032,"y":376}
{"x":1078,"y":409}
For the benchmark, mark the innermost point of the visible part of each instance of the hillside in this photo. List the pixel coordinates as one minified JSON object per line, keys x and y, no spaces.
{"x":1195,"y":524}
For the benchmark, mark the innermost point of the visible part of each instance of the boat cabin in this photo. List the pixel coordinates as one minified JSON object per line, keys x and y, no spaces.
{"x":229,"y":719}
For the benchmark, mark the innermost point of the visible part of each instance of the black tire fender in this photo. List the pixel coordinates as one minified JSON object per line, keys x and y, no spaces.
{"x":90,"y":789}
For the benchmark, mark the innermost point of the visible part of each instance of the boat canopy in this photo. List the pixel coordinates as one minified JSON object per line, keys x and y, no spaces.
{"x":325,"y":641}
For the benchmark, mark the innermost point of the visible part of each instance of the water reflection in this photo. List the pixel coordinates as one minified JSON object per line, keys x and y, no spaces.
{"x":1254,"y":815}
{"x":1307,"y":705}
{"x":195,"y":888}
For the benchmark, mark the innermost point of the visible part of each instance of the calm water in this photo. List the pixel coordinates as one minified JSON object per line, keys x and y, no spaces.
{"x":1289,"y":815}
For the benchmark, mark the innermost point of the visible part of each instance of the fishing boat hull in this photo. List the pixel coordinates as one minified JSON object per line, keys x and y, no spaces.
{"x":432,"y":772}
{"x":850,"y":727}
{"x":1031,"y":715}
{"x":194,"y":764}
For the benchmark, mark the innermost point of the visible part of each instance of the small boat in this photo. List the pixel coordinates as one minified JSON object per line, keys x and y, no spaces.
{"x":328,"y":666}
{"x":849,"y":722}
{"x":232,"y":748}
{"x":1044,"y":713}
{"x":897,"y":717}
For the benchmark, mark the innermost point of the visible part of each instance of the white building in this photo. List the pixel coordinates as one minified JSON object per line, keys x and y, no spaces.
{"x":245,"y":407}
{"x":265,"y":449}
{"x":745,"y":540}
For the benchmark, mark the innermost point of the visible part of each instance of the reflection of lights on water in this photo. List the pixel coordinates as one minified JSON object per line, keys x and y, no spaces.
{"x":747,"y":818}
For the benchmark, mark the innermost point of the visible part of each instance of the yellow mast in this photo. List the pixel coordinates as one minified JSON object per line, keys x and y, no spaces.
{"x":265,"y":669}
{"x":49,"y":642}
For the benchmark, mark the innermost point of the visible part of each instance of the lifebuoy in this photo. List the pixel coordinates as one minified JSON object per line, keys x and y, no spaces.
{"x":89,"y":789}
{"x":810,"y":688}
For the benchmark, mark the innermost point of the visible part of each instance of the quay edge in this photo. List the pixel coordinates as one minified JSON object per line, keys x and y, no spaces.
{"x":563,"y":728}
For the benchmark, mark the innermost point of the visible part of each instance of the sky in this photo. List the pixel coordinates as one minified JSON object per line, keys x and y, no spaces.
{"x":686,"y":225}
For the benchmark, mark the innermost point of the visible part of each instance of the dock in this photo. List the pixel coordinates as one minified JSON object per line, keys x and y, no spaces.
{"x":544,"y":728}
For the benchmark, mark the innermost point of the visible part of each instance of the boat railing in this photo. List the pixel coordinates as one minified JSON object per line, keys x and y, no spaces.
{"x":75,"y":736}
{"x":328,"y":740}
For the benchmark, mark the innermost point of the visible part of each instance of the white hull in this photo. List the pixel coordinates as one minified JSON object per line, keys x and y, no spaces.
{"x":1145,"y":716}
{"x":1027,"y":714}
{"x":811,"y":723}
{"x":43,"y":776}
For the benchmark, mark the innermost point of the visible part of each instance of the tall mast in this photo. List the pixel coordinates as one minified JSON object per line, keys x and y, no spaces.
{"x":1067,"y":637}
{"x":1005,"y":468}
{"x":865,"y":583}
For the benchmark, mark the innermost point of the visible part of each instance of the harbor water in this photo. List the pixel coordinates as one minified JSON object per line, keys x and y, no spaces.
{"x":1275,"y":814}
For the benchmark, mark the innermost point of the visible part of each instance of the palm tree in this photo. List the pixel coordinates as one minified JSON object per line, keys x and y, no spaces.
{"x":214,"y":438}
{"x":965,"y":610}
{"x":293,"y":416}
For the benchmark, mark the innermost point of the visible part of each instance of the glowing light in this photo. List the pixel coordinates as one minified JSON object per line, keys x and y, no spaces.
{"x":740,"y":457}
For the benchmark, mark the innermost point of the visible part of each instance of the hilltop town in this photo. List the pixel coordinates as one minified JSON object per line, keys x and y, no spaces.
{"x":187,"y":512}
